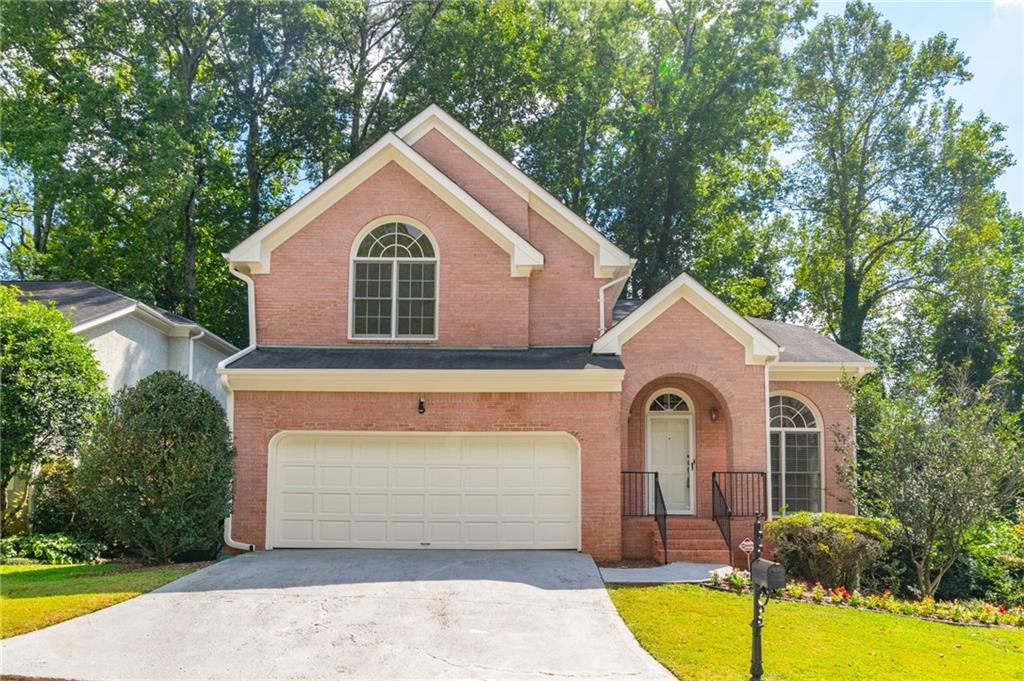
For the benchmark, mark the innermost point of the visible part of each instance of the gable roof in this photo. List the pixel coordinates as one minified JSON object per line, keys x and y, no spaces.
{"x":801,"y":344}
{"x":88,"y":305}
{"x":254,"y":252}
{"x":759,"y":347}
{"x":609,"y":259}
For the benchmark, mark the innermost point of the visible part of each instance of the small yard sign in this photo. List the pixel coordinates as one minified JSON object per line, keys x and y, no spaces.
{"x":747,"y":546}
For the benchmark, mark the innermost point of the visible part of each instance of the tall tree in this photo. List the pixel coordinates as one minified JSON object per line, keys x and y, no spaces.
{"x":693,"y":173}
{"x":887,"y":162}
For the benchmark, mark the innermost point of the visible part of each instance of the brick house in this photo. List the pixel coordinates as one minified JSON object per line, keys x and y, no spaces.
{"x":437,"y":359}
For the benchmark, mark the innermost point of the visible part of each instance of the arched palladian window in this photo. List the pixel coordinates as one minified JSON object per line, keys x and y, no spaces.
{"x":795,"y":436}
{"x":394,"y":284}
{"x":669,"y":402}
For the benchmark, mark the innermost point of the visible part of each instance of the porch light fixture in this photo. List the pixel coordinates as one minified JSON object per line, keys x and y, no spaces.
{"x":713,"y":414}
{"x":422,"y":406}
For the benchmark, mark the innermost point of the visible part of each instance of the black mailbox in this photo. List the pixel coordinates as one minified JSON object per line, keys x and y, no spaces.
{"x":768,"y":574}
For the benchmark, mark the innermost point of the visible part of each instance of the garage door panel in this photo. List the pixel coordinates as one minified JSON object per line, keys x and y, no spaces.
{"x":435,"y":490}
{"x":335,"y":503}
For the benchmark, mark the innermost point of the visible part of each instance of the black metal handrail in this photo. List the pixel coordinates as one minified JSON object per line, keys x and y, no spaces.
{"x":642,"y":497}
{"x":720,"y":511}
{"x":737,"y":494}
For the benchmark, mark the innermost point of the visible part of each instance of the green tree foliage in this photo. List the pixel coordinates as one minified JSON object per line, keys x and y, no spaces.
{"x":942,"y":462}
{"x":156,"y":473}
{"x":51,"y":388}
{"x":887,"y":163}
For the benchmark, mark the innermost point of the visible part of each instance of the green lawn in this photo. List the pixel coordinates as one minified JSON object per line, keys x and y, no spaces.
{"x":703,"y":634}
{"x":36,"y":596}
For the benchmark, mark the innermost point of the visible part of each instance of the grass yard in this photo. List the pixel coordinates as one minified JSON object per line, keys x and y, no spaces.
{"x":703,"y":634}
{"x":36,"y":596}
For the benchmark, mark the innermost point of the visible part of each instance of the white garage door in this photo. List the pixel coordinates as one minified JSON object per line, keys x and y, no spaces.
{"x":493,"y":491}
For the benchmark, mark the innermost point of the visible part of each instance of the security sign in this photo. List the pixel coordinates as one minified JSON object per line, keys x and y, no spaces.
{"x":746,"y":546}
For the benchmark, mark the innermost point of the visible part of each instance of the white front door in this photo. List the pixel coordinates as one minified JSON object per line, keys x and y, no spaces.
{"x":669,"y":452}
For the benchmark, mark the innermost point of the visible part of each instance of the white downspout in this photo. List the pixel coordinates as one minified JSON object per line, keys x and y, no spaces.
{"x":192,"y":353}
{"x":252,"y":300}
{"x":600,"y":300}
{"x":251,"y":286}
{"x":228,"y":541}
{"x":768,"y":437}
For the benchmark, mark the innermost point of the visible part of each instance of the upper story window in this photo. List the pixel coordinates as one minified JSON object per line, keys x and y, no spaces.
{"x":795,"y":439}
{"x":394,"y":284}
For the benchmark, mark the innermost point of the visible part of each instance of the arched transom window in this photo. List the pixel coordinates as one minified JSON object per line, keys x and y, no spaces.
{"x":795,"y":437}
{"x":394,"y":284}
{"x":669,"y":402}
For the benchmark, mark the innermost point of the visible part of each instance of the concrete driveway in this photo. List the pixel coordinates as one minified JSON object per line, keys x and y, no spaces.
{"x":355,"y":614}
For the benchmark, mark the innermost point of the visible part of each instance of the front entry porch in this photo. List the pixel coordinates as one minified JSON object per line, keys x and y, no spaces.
{"x":650,"y":532}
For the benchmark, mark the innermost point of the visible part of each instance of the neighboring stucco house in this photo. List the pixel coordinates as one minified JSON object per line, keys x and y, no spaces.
{"x":131,"y":339}
{"x":437,"y":360}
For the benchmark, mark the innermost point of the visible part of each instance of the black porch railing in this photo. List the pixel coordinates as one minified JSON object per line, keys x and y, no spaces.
{"x":642,"y":497}
{"x":737,"y":494}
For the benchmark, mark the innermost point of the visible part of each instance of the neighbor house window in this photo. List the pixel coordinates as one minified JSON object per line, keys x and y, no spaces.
{"x":394,"y":284}
{"x":795,"y":437}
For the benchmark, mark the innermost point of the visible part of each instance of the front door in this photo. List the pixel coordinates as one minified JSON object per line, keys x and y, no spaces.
{"x":669,"y":444}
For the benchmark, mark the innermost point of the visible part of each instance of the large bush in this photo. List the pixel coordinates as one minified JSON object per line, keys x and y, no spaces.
{"x":993,"y":567}
{"x":156,"y":473}
{"x":830,"y":548}
{"x":51,"y":389}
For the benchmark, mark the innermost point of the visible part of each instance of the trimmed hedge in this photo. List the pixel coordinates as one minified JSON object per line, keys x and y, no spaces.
{"x":831,"y":548}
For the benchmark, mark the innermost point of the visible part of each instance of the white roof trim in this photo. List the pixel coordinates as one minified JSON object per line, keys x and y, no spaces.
{"x":429,"y":380}
{"x":608,"y":258}
{"x":759,"y":347}
{"x":818,"y":371}
{"x":155,"y":318}
{"x":256,"y":249}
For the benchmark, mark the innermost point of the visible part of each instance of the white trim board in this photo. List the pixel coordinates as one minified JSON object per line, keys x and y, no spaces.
{"x":254,"y":252}
{"x":759,"y":347}
{"x":426,"y":380}
{"x":609,"y":259}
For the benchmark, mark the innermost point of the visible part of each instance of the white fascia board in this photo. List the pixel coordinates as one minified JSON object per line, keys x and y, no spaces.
{"x":255,"y":251}
{"x":607,"y":256}
{"x":818,"y":371}
{"x":99,"y":321}
{"x":759,"y":347}
{"x":420,"y":380}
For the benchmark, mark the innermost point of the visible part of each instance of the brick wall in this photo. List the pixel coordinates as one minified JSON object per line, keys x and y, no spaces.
{"x":589,"y":417}
{"x":683,"y":345}
{"x":303,"y":300}
{"x":833,"y":403}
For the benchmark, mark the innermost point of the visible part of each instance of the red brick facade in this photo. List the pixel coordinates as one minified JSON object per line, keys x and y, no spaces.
{"x":303,"y":300}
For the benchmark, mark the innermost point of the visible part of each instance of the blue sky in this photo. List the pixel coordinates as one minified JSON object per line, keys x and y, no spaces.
{"x":992,"y":35}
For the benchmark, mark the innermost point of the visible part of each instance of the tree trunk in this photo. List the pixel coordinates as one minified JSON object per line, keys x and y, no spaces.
{"x":853,"y":314}
{"x":252,"y":170}
{"x":42,"y":220}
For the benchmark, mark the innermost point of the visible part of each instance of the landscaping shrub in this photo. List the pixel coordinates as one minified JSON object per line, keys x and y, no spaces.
{"x":54,"y":505}
{"x":993,"y":568}
{"x":57,"y":549}
{"x":156,"y":473}
{"x":831,"y":548}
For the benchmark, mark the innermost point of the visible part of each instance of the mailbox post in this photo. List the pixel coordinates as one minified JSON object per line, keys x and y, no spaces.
{"x":766,"y":577}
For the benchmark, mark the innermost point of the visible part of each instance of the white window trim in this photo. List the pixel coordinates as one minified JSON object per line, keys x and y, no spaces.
{"x":820,"y":430}
{"x":687,"y":415}
{"x":353,"y":258}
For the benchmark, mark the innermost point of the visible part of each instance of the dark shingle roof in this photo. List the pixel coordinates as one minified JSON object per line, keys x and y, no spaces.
{"x":624,"y":307}
{"x":281,"y":357}
{"x":801,"y":344}
{"x":79,"y":301}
